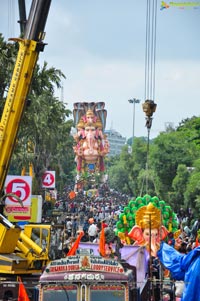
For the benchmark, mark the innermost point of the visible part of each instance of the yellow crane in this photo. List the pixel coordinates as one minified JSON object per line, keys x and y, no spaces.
{"x":22,"y":252}
{"x":29,"y":47}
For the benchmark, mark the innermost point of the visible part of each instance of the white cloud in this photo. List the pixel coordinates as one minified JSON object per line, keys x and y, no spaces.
{"x":177,"y":92}
{"x":100,"y":45}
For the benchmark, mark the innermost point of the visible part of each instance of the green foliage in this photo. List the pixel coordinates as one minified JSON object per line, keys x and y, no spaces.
{"x":191,"y":129}
{"x":46,"y":79}
{"x":118,"y":177}
{"x":44,"y":135}
{"x":7,"y":60}
{"x":169,"y":170}
{"x":192,"y":192}
{"x":147,"y":182}
{"x":167,"y":152}
{"x":45,"y":126}
{"x":179,"y":185}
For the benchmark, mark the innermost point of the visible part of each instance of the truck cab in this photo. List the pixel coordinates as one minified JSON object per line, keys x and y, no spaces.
{"x":88,"y":277}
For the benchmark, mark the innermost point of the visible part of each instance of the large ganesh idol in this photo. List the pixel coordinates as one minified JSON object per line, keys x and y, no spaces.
{"x":91,"y":144}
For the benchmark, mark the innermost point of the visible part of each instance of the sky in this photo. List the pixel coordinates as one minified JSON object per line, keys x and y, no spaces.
{"x":100,"y":47}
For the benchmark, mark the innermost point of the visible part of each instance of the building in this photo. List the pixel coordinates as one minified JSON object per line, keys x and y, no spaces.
{"x":116,"y":142}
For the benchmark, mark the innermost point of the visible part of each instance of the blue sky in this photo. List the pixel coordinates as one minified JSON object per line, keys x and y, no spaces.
{"x":100,"y":46}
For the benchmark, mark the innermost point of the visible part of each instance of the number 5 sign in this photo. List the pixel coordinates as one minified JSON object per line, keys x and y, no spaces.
{"x":21,"y":187}
{"x":48,"y":179}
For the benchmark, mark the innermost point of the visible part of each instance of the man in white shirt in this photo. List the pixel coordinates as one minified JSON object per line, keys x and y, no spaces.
{"x":69,"y":227}
{"x":92,"y":232}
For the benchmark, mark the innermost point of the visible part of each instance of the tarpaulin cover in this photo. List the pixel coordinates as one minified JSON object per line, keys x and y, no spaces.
{"x":183,"y":267}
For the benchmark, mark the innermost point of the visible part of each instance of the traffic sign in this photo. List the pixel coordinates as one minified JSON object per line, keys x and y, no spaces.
{"x":48,"y":179}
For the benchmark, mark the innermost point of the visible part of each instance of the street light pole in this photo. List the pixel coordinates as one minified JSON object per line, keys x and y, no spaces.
{"x":133,"y":101}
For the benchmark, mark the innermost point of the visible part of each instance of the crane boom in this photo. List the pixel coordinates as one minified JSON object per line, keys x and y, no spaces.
{"x":22,"y":15}
{"x":29,"y":48}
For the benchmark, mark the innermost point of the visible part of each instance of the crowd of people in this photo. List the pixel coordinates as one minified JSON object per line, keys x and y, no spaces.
{"x":87,"y":214}
{"x":90,"y":213}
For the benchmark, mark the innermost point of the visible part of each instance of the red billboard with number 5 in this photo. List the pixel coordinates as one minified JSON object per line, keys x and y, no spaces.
{"x":21,"y":187}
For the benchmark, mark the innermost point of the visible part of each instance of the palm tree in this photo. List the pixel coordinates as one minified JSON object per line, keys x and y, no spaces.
{"x":44,"y":134}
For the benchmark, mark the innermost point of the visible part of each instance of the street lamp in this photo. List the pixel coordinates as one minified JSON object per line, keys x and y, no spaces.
{"x":133,"y":101}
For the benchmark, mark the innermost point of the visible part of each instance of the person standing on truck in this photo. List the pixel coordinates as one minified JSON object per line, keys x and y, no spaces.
{"x":92,"y":230}
{"x":69,"y":226}
{"x":74,"y":226}
{"x":184,"y":267}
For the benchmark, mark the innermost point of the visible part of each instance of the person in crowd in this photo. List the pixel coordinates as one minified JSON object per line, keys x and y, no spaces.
{"x":85,"y":237}
{"x":170,"y":239}
{"x":184,"y":267}
{"x":74,"y":226}
{"x":86,"y":226}
{"x":68,"y":244}
{"x":69,"y":226}
{"x":92,"y":231}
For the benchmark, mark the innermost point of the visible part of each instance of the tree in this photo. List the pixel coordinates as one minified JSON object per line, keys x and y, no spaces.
{"x":167,"y":152}
{"x":44,"y":135}
{"x":118,"y":178}
{"x":179,"y":185}
{"x":7,"y":61}
{"x":138,"y":165}
{"x":46,"y":79}
{"x":191,"y":129}
{"x":147,"y":182}
{"x":192,"y":192}
{"x":130,"y":166}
